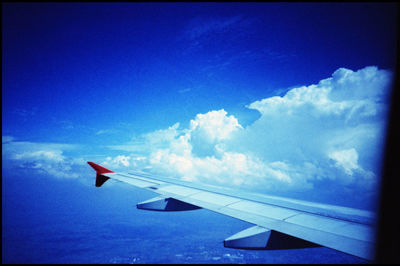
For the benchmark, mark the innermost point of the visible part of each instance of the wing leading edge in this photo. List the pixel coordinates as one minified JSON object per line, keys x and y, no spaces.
{"x":276,"y":219}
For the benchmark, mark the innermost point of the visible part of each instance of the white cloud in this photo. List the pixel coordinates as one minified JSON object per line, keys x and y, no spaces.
{"x":353,"y":94}
{"x":118,"y":161}
{"x":46,"y":155}
{"x":215,"y":125}
{"x":232,"y":168}
{"x":43,"y":158}
{"x":308,"y":120}
{"x":346,"y":159}
{"x":206,"y":130}
{"x":329,"y":133}
{"x":292,"y":145}
{"x":124,"y":162}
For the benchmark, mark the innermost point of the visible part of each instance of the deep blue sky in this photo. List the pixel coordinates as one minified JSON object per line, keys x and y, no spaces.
{"x":287,"y":98}
{"x":102,"y":65}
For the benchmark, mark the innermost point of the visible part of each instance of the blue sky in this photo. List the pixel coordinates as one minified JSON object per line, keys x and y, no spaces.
{"x":288,"y":99}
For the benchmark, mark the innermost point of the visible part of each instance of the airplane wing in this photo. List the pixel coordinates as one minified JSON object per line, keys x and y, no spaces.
{"x":278,"y":222}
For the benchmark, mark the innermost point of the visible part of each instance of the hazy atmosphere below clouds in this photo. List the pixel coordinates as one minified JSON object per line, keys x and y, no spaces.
{"x":282,"y":99}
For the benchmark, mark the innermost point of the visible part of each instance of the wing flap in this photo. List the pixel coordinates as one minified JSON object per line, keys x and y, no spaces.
{"x":210,"y":197}
{"x":177,"y":190}
{"x":335,"y":226}
{"x":275,"y":212}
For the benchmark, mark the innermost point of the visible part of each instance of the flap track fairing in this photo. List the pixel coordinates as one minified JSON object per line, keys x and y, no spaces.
{"x":166,"y":204}
{"x":258,"y":237}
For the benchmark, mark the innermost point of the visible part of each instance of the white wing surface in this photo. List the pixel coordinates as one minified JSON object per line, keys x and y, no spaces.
{"x":279,"y":222}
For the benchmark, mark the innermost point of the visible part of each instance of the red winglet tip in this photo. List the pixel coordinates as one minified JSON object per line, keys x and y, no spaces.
{"x":99,"y":169}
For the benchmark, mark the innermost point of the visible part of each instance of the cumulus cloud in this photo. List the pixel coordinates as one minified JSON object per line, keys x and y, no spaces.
{"x":347,"y":93}
{"x":206,"y":130}
{"x":342,"y":118}
{"x":346,"y":159}
{"x":327,"y":136}
{"x":332,"y":131}
{"x":123,"y":161}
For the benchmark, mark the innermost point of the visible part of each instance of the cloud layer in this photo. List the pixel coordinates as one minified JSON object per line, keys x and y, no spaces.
{"x":26,"y":157}
{"x":327,"y":136}
{"x":332,"y":131}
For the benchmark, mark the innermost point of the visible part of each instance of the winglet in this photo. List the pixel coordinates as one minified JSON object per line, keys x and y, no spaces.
{"x":100,"y":179}
{"x":99,"y":169}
